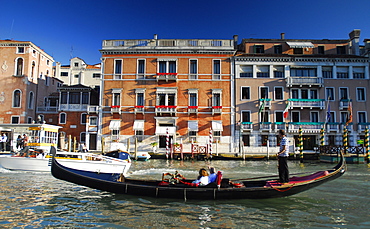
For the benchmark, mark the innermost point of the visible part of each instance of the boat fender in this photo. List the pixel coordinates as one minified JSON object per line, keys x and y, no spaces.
{"x":219,"y":179}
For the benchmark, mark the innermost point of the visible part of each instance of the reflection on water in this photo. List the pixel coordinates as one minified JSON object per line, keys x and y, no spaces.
{"x":37,"y":200}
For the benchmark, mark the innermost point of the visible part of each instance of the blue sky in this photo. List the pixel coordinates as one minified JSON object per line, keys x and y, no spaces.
{"x":59,"y":27}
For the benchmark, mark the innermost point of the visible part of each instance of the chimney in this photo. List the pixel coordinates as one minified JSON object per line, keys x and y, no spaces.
{"x":354,"y":37}
{"x":282,"y":36}
{"x":155,"y":36}
{"x":236,"y":38}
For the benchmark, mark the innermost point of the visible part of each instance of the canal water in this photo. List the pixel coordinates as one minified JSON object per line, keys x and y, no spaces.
{"x":38,"y":200}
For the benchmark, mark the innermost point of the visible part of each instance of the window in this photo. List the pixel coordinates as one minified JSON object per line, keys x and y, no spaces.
{"x":93,"y":121}
{"x":342,"y":73}
{"x":63,"y":97}
{"x":74,"y":98}
{"x":263,"y":71}
{"x":313,"y":94}
{"x":216,"y":99}
{"x":303,"y":72}
{"x":246,"y":94}
{"x":63,"y":73}
{"x":341,"y":50}
{"x":279,"y":93}
{"x":314,"y":116}
{"x":343,"y":93}
{"x":19,"y":67}
{"x":246,"y":140}
{"x":279,"y":116}
{"x":264,"y":92}
{"x":116,"y":99}
{"x":264,"y":116}
{"x":358,"y":72}
{"x":321,"y":49}
{"x":30,"y":100}
{"x":362,"y":117}
{"x":96,"y":75}
{"x":295,"y":94}
{"x":193,"y":99}
{"x":329,"y":91}
{"x":76,"y":75}
{"x":83,"y":137}
{"x":278,"y":71}
{"x":278,"y":49}
{"x":20,"y":50}
{"x":166,"y":100}
{"x":246,"y":71}
{"x":297,"y":50}
{"x":295,"y":116}
{"x":85,"y":97}
{"x":259,"y":49}
{"x":62,"y":118}
{"x":33,"y":69}
{"x":361,"y":94}
{"x":76,"y":64}
{"x":140,"y":99}
{"x":141,"y":69}
{"x":117,"y":69}
{"x":15,"y":119}
{"x":246,"y":116}
{"x":167,"y":66}
{"x":327,"y":72}
{"x":216,"y":70}
{"x":193,"y":70}
{"x":83,"y":118}
{"x":343,"y":116}
{"x":17,"y":98}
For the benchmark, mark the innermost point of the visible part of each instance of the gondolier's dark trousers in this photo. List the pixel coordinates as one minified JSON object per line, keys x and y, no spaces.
{"x":283,"y":169}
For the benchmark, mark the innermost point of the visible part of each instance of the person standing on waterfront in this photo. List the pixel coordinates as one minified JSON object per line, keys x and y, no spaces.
{"x":19,"y":143}
{"x":283,"y":158}
{"x":4,"y":140}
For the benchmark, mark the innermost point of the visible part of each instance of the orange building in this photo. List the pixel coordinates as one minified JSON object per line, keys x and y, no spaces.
{"x":151,"y":87}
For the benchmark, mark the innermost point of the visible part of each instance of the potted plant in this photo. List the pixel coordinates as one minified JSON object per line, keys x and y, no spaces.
{"x":154,"y":146}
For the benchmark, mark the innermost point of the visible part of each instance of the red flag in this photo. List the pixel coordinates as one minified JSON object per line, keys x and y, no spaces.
{"x":286,"y":111}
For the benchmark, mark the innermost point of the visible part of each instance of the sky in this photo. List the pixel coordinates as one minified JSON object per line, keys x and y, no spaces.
{"x":67,"y":29}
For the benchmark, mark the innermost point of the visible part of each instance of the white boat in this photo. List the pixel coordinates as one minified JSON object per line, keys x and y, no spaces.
{"x":141,"y":156}
{"x":88,"y":162}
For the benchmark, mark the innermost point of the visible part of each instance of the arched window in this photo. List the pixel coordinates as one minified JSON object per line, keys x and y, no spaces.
{"x":17,"y":98}
{"x":62,"y":118}
{"x":19,"y":67}
{"x":30,"y":100}
{"x":33,"y":69}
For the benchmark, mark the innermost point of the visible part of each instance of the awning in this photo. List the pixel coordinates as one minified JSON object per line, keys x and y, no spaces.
{"x":217,"y":126}
{"x":161,"y":130}
{"x":193,"y":125}
{"x":115,"y":124}
{"x":300,"y":44}
{"x":139,"y":125}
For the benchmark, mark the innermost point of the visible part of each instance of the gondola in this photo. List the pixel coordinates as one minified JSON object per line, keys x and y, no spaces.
{"x":251,"y":188}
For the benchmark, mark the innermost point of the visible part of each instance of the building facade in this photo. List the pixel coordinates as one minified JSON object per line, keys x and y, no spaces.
{"x":315,"y":83}
{"x":154,"y":88}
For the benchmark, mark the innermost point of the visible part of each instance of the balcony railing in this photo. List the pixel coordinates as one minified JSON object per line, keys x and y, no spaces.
{"x":166,"y":76}
{"x":246,"y":126}
{"x":47,"y":109}
{"x":115,"y":109}
{"x":332,"y":126}
{"x":165,"y":109}
{"x":192,"y":109}
{"x":139,"y":109}
{"x":362,"y":126}
{"x":265,"y":126}
{"x":307,"y":81}
{"x":216,"y":110}
{"x":280,"y":126}
{"x":344,"y":103}
{"x":266,"y":101}
{"x":307,"y":127}
{"x":92,"y":109}
{"x":73,"y":107}
{"x":309,"y":103}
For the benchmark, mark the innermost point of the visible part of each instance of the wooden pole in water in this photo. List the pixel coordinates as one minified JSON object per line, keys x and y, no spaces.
{"x":128,"y":145}
{"x":74,"y":144}
{"x":69,"y":143}
{"x":102,"y":145}
{"x":136,"y":148}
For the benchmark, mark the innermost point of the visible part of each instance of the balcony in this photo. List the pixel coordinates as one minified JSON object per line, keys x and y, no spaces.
{"x":92,"y":109}
{"x":139,"y":109}
{"x":349,"y":126}
{"x":307,"y":127}
{"x":47,"y":109}
{"x":216,"y":110}
{"x":192,"y":109}
{"x":246,"y":126}
{"x":115,"y":109}
{"x":344,"y":103}
{"x":166,"y":76}
{"x":362,"y":126}
{"x":279,"y":126}
{"x":305,"y":81}
{"x":266,"y":101}
{"x":165,"y":109}
{"x":332,"y":127}
{"x":73,"y":107}
{"x":265,"y":126}
{"x":307,"y":103}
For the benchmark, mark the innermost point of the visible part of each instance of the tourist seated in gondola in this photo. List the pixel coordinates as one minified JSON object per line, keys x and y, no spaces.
{"x":212,"y":175}
{"x":203,"y":178}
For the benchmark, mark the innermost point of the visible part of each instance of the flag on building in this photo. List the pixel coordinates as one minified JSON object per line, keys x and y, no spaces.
{"x":262,"y":106}
{"x":328,"y":116}
{"x":286,"y":111}
{"x":349,"y":119}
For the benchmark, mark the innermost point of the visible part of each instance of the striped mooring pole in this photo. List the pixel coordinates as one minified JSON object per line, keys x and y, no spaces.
{"x":345,"y":139}
{"x":210,"y":141}
{"x":367,"y":146}
{"x":167,"y":143}
{"x":300,"y":139}
{"x":322,"y":136}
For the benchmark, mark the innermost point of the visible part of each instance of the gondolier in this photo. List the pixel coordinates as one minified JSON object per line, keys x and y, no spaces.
{"x":283,"y":158}
{"x":3,"y":141}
